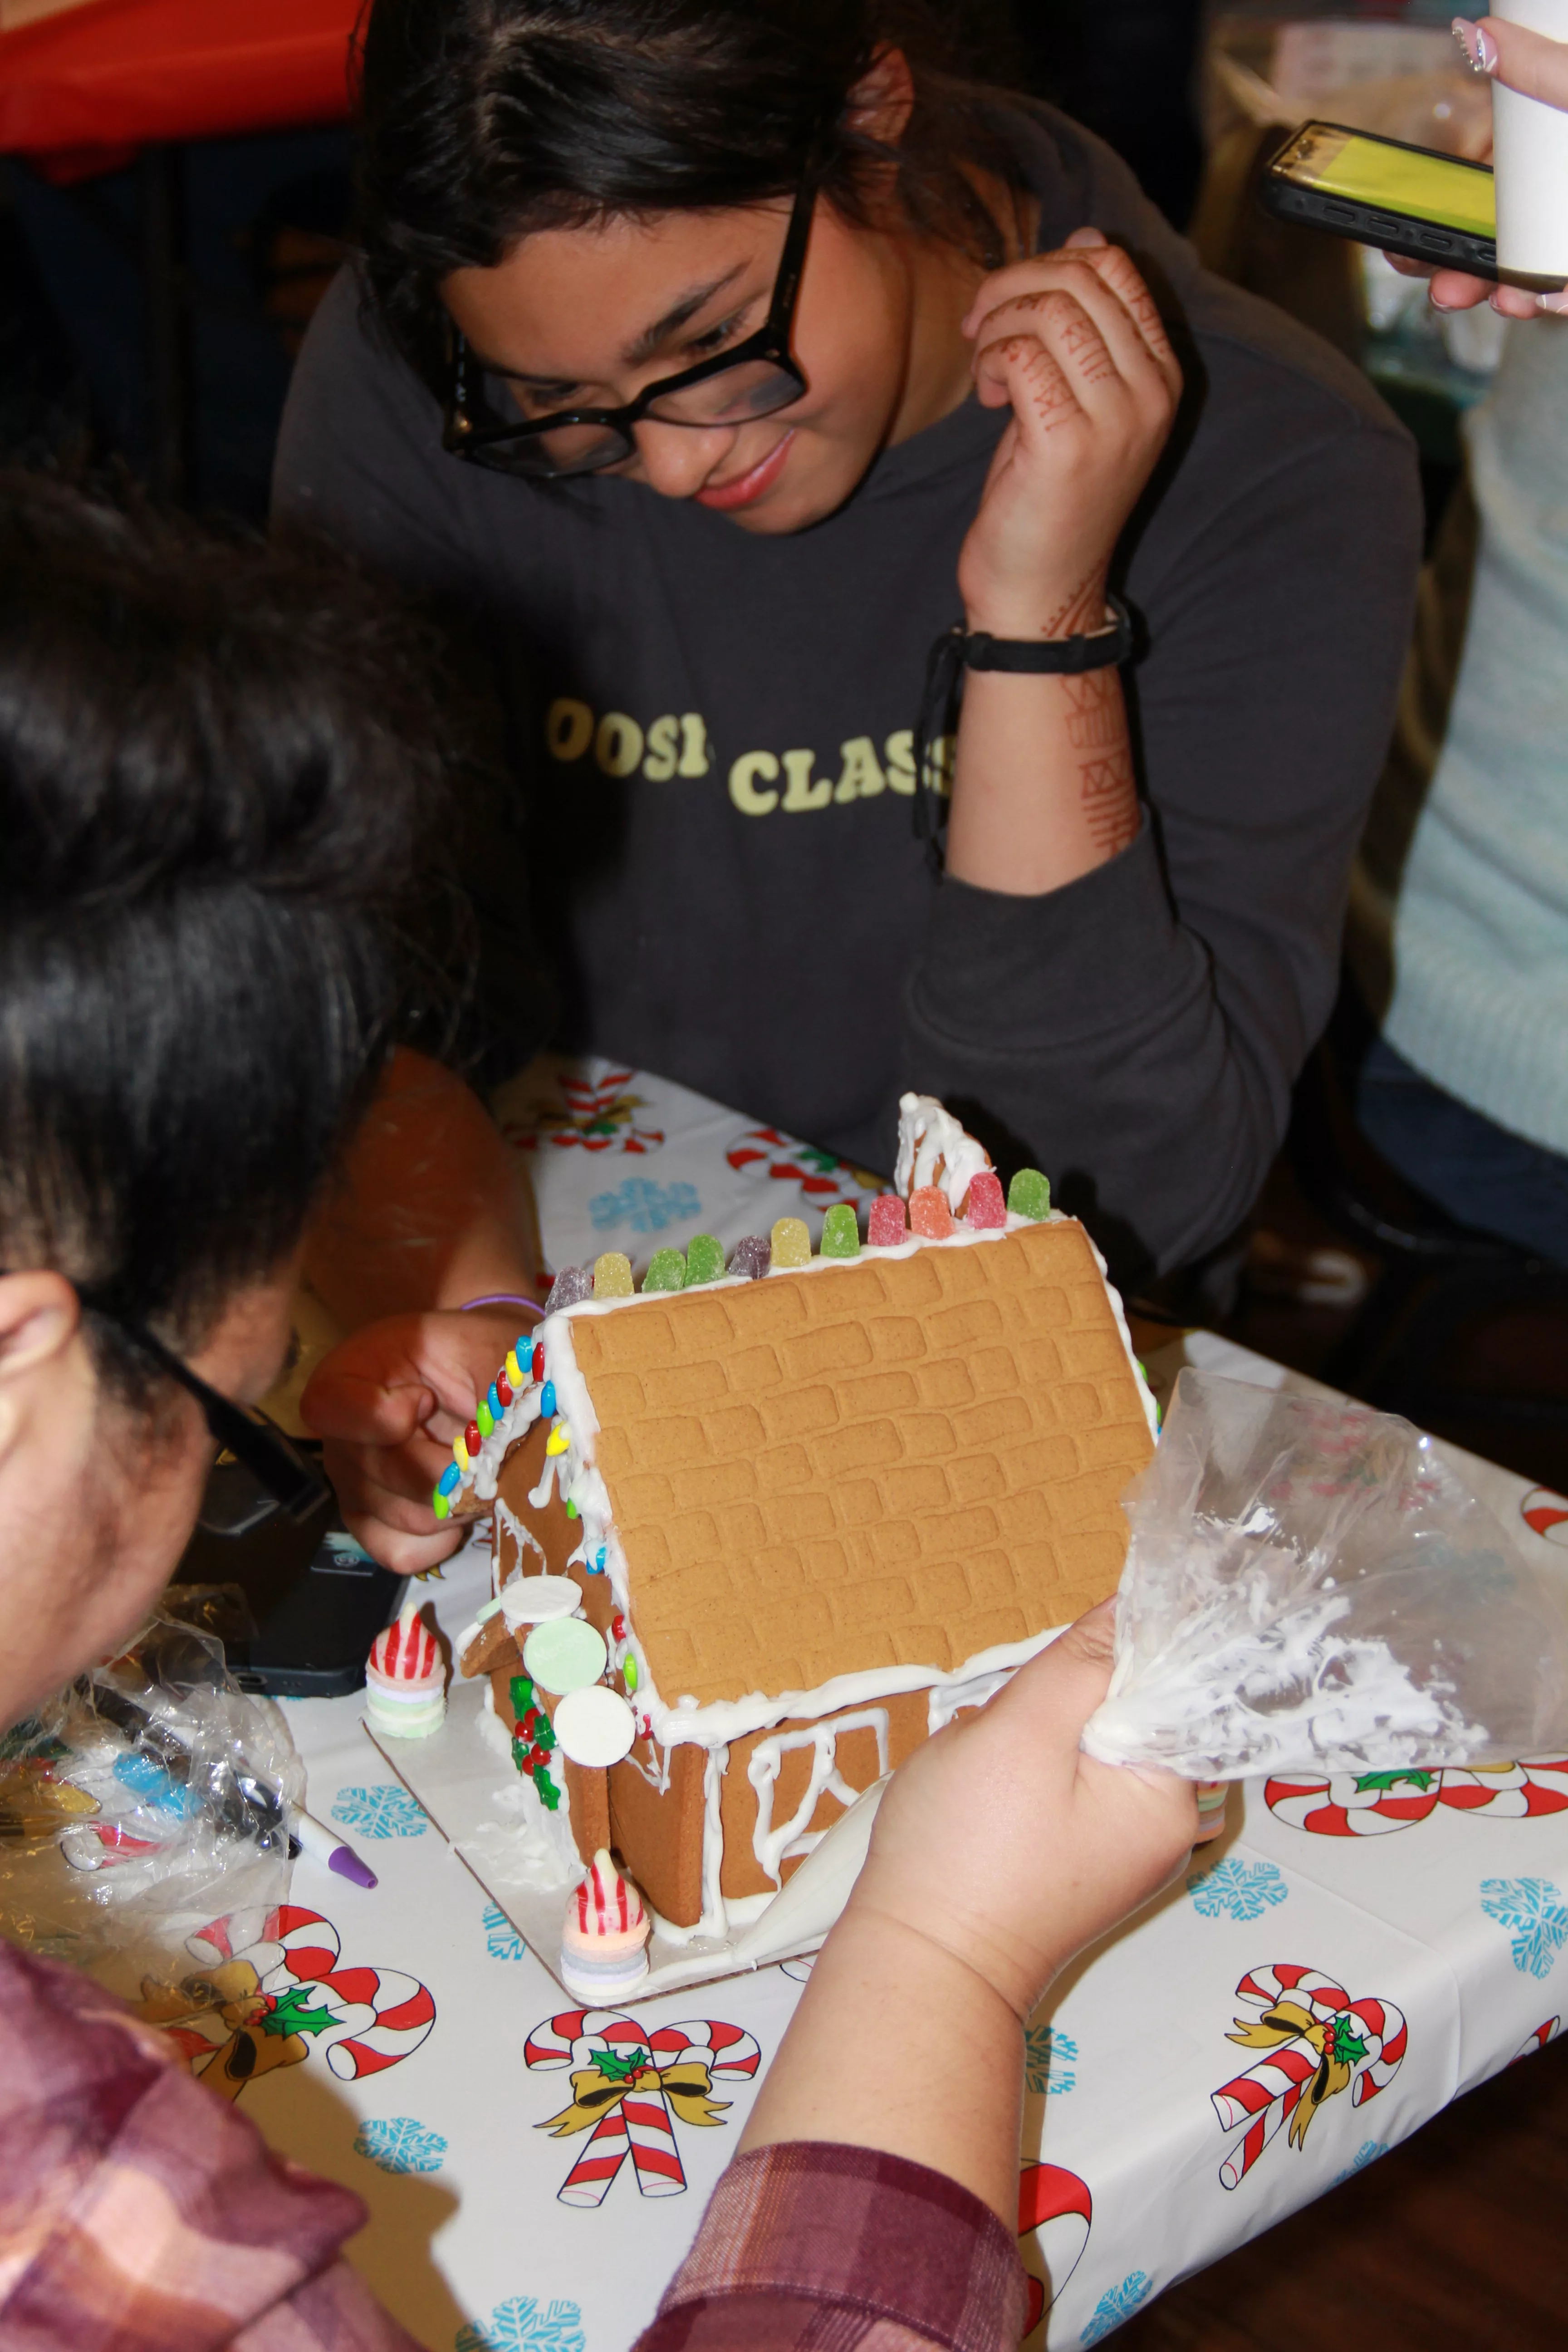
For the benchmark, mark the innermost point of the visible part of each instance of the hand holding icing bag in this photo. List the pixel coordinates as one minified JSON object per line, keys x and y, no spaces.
{"x":1310,"y":1586}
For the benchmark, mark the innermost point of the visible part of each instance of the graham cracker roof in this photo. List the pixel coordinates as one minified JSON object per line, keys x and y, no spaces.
{"x":900,"y":1460}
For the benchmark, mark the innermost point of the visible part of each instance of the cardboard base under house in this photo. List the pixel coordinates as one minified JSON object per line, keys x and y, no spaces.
{"x":472,"y":1793}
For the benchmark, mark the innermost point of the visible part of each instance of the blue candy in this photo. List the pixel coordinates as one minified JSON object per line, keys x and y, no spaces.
{"x":547,"y":1402}
{"x":450,"y":1479}
{"x":493,"y":1401}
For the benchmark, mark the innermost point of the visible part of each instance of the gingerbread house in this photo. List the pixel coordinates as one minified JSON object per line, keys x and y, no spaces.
{"x":812,"y":1513}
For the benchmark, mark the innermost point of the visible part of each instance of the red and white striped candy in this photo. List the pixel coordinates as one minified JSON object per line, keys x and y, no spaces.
{"x":407,"y":1652}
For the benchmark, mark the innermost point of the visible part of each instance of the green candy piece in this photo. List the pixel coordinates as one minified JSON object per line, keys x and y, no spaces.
{"x":485,"y":1419}
{"x":521,"y":1689}
{"x":548,"y":1794}
{"x":666,"y":1271}
{"x":439,"y":1503}
{"x":704,"y":1260}
{"x":840,"y":1232}
{"x":545,"y":1736}
{"x":1029,"y":1195}
{"x":629,"y":1673}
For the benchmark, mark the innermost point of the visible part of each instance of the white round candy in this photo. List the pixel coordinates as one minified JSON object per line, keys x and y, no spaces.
{"x":594,"y":1727}
{"x":565,"y":1656}
{"x":533,"y":1600}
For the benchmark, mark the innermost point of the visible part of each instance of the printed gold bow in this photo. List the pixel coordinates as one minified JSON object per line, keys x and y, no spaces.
{"x":598,"y":2090}
{"x":1335,"y":2040}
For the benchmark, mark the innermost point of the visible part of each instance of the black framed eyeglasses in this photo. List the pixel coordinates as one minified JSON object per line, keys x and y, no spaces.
{"x":243,"y":1431}
{"x":758,"y":377}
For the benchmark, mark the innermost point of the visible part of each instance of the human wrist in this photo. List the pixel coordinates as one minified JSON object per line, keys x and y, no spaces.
{"x":983,"y":1971}
{"x":1042,"y":617}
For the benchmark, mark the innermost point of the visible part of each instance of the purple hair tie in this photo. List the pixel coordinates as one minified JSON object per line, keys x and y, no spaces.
{"x":502,"y":1298}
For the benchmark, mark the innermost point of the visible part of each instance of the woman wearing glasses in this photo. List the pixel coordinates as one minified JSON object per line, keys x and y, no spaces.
{"x":213,"y":766}
{"x":708,"y":364}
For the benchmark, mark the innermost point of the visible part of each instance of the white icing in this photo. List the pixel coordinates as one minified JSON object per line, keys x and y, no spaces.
{"x":519,"y":1534}
{"x":948,"y":1698}
{"x":713,"y":1921}
{"x":1253,"y":1675}
{"x":740,"y":1911}
{"x":772,"y":1846}
{"x":530,"y":1845}
{"x":930,"y":1140}
{"x":519,"y":1417}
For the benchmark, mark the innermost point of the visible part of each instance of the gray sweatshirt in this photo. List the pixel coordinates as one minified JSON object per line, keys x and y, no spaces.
{"x":707,"y":813}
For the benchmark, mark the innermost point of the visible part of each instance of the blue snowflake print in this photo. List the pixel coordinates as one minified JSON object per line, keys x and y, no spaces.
{"x":525,"y":2325}
{"x":386,"y":1811}
{"x":1236,"y":1889}
{"x":1367,"y":2153}
{"x":1120,"y":2304}
{"x":401,"y":2144}
{"x":1048,"y":2060}
{"x":502,"y":1938}
{"x":647,"y":1207}
{"x":1535,"y":1907}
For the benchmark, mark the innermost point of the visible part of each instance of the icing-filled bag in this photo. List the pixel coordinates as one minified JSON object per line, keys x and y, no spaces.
{"x":1310,"y":1586}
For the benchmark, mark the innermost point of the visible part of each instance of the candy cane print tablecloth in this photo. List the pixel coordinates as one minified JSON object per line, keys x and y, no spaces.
{"x":1311,"y":1992}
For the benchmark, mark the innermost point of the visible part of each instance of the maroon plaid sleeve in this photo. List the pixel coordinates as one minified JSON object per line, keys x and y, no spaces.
{"x":139,"y":2212}
{"x":811,"y":2244}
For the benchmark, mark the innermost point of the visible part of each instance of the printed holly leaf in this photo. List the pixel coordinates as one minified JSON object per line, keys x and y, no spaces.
{"x":294,"y":2012}
{"x":615,"y":2068}
{"x":1345,"y":2044}
{"x":1371,"y":1782}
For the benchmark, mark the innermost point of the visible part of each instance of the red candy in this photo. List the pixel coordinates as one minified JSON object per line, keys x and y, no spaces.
{"x":472,"y":1438}
{"x":537,"y":1368}
{"x":503,"y":1390}
{"x":930,"y":1215}
{"x":645,"y":1727}
{"x":619,"y":1627}
{"x":887,"y":1226}
{"x":987,"y":1205}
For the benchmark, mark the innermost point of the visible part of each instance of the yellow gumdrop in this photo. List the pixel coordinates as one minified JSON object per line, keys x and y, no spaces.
{"x":559,"y":1439}
{"x":791,"y":1243}
{"x":613,"y":1275}
{"x":513,"y":1370}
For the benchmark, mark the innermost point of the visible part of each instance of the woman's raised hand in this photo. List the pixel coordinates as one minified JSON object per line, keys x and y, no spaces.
{"x":1072,"y":343}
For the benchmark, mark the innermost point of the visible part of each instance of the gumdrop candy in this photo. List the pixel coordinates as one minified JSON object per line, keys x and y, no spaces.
{"x":484,"y":1419}
{"x":791,"y":1243}
{"x":753,"y":1257}
{"x":536,"y":1361}
{"x":547,"y":1400}
{"x":576,"y":1283}
{"x":611,"y":1276}
{"x":986,"y":1210}
{"x":1029,"y":1195}
{"x":704,"y":1260}
{"x":840,"y":1232}
{"x":666,"y":1271}
{"x":930,"y":1215}
{"x":887,"y":1228}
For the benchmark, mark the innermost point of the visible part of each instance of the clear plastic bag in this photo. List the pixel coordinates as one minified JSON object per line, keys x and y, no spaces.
{"x":1310,"y":1586}
{"x":149,"y":1796}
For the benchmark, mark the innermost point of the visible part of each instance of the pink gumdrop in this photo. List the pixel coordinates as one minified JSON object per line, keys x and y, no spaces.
{"x":886,"y":1230}
{"x":930,"y":1215}
{"x":987,"y":1205}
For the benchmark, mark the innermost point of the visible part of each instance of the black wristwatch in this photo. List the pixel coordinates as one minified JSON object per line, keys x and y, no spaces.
{"x":958,"y":650}
{"x":1108,"y":649}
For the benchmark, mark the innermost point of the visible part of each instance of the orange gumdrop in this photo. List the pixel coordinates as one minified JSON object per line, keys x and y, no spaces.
{"x":930,"y":1215}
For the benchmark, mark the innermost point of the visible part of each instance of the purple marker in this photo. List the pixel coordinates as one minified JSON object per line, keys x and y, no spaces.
{"x":313,"y":1837}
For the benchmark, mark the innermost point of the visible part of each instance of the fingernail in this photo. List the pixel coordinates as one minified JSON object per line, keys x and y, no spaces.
{"x":1557,"y":304}
{"x":1477,"y":44}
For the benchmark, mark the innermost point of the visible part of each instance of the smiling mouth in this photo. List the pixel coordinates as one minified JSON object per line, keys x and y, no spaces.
{"x":745,"y":489}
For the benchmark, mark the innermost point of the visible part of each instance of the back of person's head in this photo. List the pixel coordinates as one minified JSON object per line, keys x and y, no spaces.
{"x":481,"y":121}
{"x":215,"y":761}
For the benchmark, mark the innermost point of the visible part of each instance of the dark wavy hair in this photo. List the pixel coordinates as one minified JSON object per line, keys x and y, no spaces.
{"x":483,"y":120}
{"x":217,"y":764}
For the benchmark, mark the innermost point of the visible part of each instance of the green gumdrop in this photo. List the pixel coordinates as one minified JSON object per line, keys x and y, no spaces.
{"x":704,"y":1260}
{"x":666,"y":1271}
{"x":1029,"y":1195}
{"x":521,"y":1689}
{"x":840,"y":1232}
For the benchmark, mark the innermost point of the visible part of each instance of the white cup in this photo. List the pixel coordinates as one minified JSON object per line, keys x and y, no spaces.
{"x":1530,"y":159}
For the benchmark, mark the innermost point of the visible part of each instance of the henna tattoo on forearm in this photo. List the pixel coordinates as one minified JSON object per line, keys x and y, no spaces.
{"x":1110,"y":797}
{"x":1099,"y":717}
{"x":1086,"y":606}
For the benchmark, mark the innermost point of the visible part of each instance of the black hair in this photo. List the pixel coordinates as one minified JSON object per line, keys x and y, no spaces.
{"x":483,"y":120}
{"x":217,"y":761}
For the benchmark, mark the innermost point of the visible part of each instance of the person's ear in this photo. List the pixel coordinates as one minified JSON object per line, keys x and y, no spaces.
{"x":40,"y":1316}
{"x":883,"y":99}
